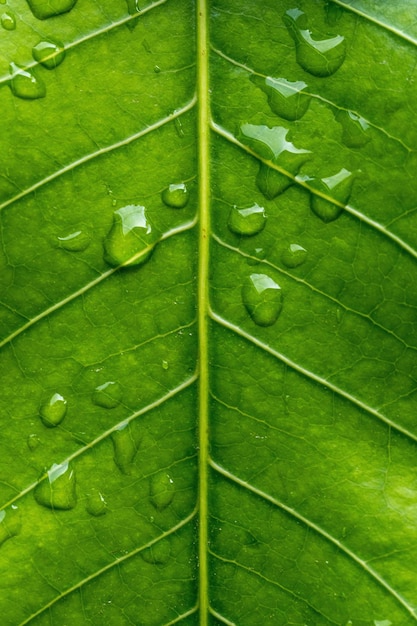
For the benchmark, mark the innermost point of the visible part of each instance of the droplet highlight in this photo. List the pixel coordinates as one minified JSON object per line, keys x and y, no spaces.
{"x":285,"y":97}
{"x":262,"y":298}
{"x":294,"y":255}
{"x":272,"y":144}
{"x":74,"y":242}
{"x":49,"y":53}
{"x":10,"y":523}
{"x":96,"y":504}
{"x":25,"y":84}
{"x":320,"y":57}
{"x":131,"y":238}
{"x":337,"y":187}
{"x":58,"y":490}
{"x":108,"y":395}
{"x":53,"y":411}
{"x":247,"y":222}
{"x":176,"y":196}
{"x":158,"y":554}
{"x":354,"y":129}
{"x":161,"y":490}
{"x":8,"y":20}
{"x":125,"y":448}
{"x":42,"y":9}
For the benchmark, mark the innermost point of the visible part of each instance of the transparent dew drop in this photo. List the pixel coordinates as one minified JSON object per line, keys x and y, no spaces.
{"x":10,"y":523}
{"x":247,"y":222}
{"x":257,"y":255}
{"x":133,"y":7}
{"x":108,"y":395}
{"x":131,"y":238}
{"x":285,"y":97}
{"x":125,"y":448}
{"x":272,"y":183}
{"x":25,"y":84}
{"x":262,"y":298}
{"x":57,"y":490}
{"x":158,"y":554}
{"x":49,"y":53}
{"x":161,"y":490}
{"x":53,"y":411}
{"x":294,"y":255}
{"x":42,"y":9}
{"x":8,"y":20}
{"x":176,"y":196}
{"x":33,"y":441}
{"x":320,"y":57}
{"x":272,"y":144}
{"x":74,"y":242}
{"x":96,"y":504}
{"x":338,"y":187}
{"x":355,"y":129}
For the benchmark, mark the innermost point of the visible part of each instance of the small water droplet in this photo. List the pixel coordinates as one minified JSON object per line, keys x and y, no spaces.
{"x":262,"y":297}
{"x":42,"y":9}
{"x":156,"y":69}
{"x":25,"y":84}
{"x":161,"y":490}
{"x":338,"y":187}
{"x":158,"y":554}
{"x":125,"y":447}
{"x":49,"y":53}
{"x":8,"y":20}
{"x":294,"y":255}
{"x":53,"y":411}
{"x":285,"y":97}
{"x":272,"y":183}
{"x":74,"y":242}
{"x":131,"y":238}
{"x":320,"y":57}
{"x":96,"y":505}
{"x":57,"y":490}
{"x":248,"y":221}
{"x":175,"y":196}
{"x":165,"y":365}
{"x":354,"y":129}
{"x":33,"y":441}
{"x":258,"y":253}
{"x":133,"y":7}
{"x":108,"y":395}
{"x":179,"y":128}
{"x":10,"y":523}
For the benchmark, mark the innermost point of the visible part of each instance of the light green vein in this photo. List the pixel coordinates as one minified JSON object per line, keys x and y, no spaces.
{"x":183,"y":616}
{"x":221,"y":617}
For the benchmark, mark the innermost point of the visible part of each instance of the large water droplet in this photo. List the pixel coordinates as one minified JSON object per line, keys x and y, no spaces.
{"x":8,"y":20}
{"x":24,"y":84}
{"x":271,"y":182}
{"x":96,"y":505}
{"x":133,"y":6}
{"x":175,"y":196}
{"x":248,"y":221}
{"x":294,"y":255}
{"x":262,"y":297}
{"x":10,"y":523}
{"x":53,"y":411}
{"x":158,"y":554}
{"x":125,"y":448}
{"x":57,"y":490}
{"x":354,"y":128}
{"x":320,"y":57}
{"x":42,"y":9}
{"x":131,"y":239}
{"x":272,"y":144}
{"x":338,"y":187}
{"x":74,"y":242}
{"x":161,"y":490}
{"x":108,"y":395}
{"x":286,"y":98}
{"x":49,"y":53}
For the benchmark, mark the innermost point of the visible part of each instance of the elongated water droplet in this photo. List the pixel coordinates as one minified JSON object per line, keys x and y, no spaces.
{"x":262,"y":297}
{"x":338,"y":187}
{"x":25,"y":84}
{"x":286,"y":98}
{"x":272,"y":144}
{"x":53,"y":411}
{"x":133,"y":6}
{"x":74,"y":242}
{"x":49,"y":53}
{"x":131,"y":239}
{"x":294,"y":255}
{"x":158,"y":554}
{"x":125,"y":448}
{"x":8,"y":20}
{"x":320,"y":57}
{"x":272,"y":183}
{"x":42,"y":9}
{"x":108,"y":395}
{"x":161,"y":490}
{"x":57,"y":490}
{"x":10,"y":523}
{"x":354,"y":129}
{"x":176,"y":196}
{"x":248,"y":221}
{"x":96,"y":504}
{"x":33,"y":441}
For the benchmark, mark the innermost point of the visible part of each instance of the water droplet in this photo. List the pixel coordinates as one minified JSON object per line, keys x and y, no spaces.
{"x":42,"y":9}
{"x":161,"y":490}
{"x":294,"y":255}
{"x":175,"y":196}
{"x":272,"y":183}
{"x":24,"y":84}
{"x":53,"y":411}
{"x":354,"y":129}
{"x":158,"y":554}
{"x":74,"y":242}
{"x":156,"y":69}
{"x":49,"y":53}
{"x":33,"y":441}
{"x":285,"y":98}
{"x":165,"y":365}
{"x":8,"y":20}
{"x":133,"y":7}
{"x":258,"y":253}
{"x":320,"y":57}
{"x":96,"y":505}
{"x":272,"y":144}
{"x":262,"y":298}
{"x":57,"y":490}
{"x":248,"y":221}
{"x":10,"y":523}
{"x":338,"y":187}
{"x":179,"y":128}
{"x":125,"y":447}
{"x":131,"y":238}
{"x":108,"y":395}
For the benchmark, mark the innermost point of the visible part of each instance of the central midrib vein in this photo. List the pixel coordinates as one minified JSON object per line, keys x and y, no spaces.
{"x":203,"y":309}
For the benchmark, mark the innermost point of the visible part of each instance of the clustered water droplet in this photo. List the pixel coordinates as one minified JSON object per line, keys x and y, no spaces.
{"x":108,"y":395}
{"x":176,"y":196}
{"x":131,"y":238}
{"x":286,"y":98}
{"x":43,"y":9}
{"x":10,"y":523}
{"x":337,"y":187}
{"x":53,"y":410}
{"x":355,"y":129}
{"x":8,"y":20}
{"x":57,"y":490}
{"x":294,"y":255}
{"x":248,"y":221}
{"x":125,"y":447}
{"x":74,"y":242}
{"x":49,"y":53}
{"x":262,"y":297}
{"x":161,"y":490}
{"x":25,"y":84}
{"x":96,"y":504}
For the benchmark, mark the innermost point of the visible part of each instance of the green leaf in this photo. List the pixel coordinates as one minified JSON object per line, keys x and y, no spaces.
{"x":208,"y":313}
